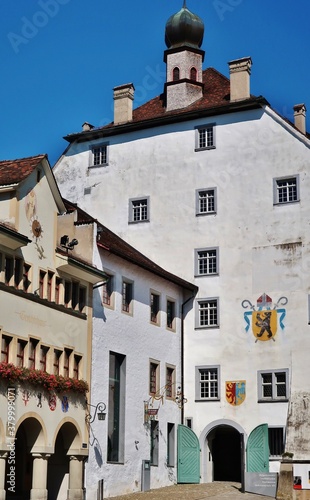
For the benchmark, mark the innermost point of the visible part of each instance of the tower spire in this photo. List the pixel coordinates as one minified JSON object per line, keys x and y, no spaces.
{"x":184,"y":4}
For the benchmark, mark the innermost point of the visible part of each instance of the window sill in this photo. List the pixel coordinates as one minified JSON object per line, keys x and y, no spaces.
{"x":207,"y":400}
{"x":284,"y":400}
{"x":138,"y":221}
{"x":206,"y":275}
{"x":98,"y":166}
{"x":213,"y":327}
{"x":202,"y":214}
{"x":204,"y":149}
{"x":279,"y":204}
{"x":115,"y":463}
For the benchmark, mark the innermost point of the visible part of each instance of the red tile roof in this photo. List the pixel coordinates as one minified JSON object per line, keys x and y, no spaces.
{"x":216,"y":91}
{"x":15,"y":171}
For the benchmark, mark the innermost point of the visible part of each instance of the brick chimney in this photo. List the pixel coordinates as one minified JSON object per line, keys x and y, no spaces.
{"x":240,"y":70}
{"x":300,"y":117}
{"x":123,"y":103}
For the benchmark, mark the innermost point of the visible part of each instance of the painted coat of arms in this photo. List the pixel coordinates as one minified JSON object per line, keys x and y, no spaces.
{"x":265,"y":317}
{"x":235,"y":392}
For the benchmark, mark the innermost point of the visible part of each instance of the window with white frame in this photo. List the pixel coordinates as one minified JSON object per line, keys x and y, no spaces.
{"x":205,"y":137}
{"x":276,"y":437}
{"x":286,"y":190}
{"x":273,"y":385}
{"x":139,"y":209}
{"x":207,"y":387}
{"x":206,"y":202}
{"x":99,"y":155}
{"x":207,"y":313}
{"x":206,"y":261}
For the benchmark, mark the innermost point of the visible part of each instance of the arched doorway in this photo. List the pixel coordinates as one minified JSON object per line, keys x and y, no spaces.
{"x":225,"y":446}
{"x":59,"y":463}
{"x":29,"y":435}
{"x":222,"y":452}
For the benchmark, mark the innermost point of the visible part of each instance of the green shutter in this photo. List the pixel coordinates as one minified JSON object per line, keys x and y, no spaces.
{"x":188,"y":456}
{"x":258,"y":450}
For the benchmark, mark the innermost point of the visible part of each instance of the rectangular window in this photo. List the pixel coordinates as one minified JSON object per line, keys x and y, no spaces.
{"x":189,"y":422}
{"x":154,"y":308}
{"x":116,"y":407}
{"x":206,"y":261}
{"x":8,"y":270}
{"x":75,"y":295}
{"x":273,"y":385}
{"x":276,"y":441}
{"x":154,"y":438}
{"x":76,"y":366}
{"x":127,"y":294}
{"x":5,"y":348}
{"x":207,"y":383}
{"x":20,"y":354}
{"x":42,"y":276}
{"x":66,"y":360}
{"x":139,"y":209}
{"x":170,"y":444}
{"x":205,"y":137}
{"x":99,"y":155}
{"x":207,"y":313}
{"x":82,"y":298}
{"x":26,"y":277}
{"x":50,"y":277}
{"x":58,"y":283}
{"x":206,"y":202}
{"x":18,"y":268}
{"x":68,"y":288}
{"x":170,"y":314}
{"x":57,"y":354}
{"x":286,"y":190}
{"x":170,"y":382}
{"x":107,"y":290}
{"x":154,"y":377}
{"x":32,"y":347}
{"x":43,"y":357}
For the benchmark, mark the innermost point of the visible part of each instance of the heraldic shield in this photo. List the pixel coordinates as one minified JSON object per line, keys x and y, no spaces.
{"x":235,"y":392}
{"x":264,"y":324}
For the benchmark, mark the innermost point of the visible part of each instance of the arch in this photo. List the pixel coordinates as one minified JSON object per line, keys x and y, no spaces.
{"x":35,"y":429}
{"x":176,"y":74}
{"x":193,"y":74}
{"x":207,"y":474}
{"x":71,"y":433}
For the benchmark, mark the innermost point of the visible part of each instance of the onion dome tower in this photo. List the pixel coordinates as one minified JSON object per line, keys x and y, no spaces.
{"x":183,"y":57}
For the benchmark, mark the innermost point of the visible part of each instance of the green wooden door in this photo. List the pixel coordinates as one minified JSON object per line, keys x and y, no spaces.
{"x":188,"y":456}
{"x":258,"y":450}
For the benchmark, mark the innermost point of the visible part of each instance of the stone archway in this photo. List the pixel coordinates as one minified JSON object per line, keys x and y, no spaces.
{"x":65,"y":467}
{"x":222,"y":458}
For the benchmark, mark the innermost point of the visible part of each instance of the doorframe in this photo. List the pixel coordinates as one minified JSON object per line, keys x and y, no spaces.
{"x":205,"y":472}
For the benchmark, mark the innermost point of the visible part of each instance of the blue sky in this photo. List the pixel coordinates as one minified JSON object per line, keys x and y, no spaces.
{"x":60,"y":59}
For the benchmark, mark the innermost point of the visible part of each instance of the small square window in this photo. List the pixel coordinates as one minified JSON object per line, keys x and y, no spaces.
{"x":99,"y":155}
{"x":207,"y":313}
{"x":139,"y":210}
{"x":206,"y":202}
{"x":207,"y":383}
{"x":206,"y":261}
{"x":286,"y":190}
{"x":154,"y":308}
{"x":205,"y":137}
{"x":273,"y":385}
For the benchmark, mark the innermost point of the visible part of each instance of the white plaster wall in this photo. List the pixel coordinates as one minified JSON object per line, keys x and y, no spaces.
{"x":252,"y":234}
{"x":137,"y":339}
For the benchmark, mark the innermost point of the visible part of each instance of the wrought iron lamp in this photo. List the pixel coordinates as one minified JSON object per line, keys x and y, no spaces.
{"x":99,"y":411}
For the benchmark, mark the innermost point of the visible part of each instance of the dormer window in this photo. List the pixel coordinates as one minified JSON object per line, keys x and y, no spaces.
{"x":176,"y":74}
{"x":193,"y":74}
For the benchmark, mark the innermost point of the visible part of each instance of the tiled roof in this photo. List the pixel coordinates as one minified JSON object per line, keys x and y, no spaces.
{"x":111,"y":242}
{"x":216,"y":92}
{"x":15,"y":171}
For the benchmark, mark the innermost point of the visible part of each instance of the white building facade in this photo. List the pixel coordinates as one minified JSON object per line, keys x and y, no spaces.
{"x":213,"y":184}
{"x":136,"y":370}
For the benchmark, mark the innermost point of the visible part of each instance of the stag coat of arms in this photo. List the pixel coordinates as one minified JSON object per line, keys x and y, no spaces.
{"x":265,"y":317}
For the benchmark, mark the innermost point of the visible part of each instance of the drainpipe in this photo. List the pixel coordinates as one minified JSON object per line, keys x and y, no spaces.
{"x":182,"y":353}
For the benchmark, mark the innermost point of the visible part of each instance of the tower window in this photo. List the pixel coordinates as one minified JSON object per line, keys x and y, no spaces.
{"x":193,"y":74}
{"x":176,"y":74}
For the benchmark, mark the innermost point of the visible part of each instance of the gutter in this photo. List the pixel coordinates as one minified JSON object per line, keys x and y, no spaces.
{"x":182,"y":354}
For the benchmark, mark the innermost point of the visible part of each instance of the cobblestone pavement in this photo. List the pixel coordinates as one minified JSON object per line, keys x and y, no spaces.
{"x":214,"y":491}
